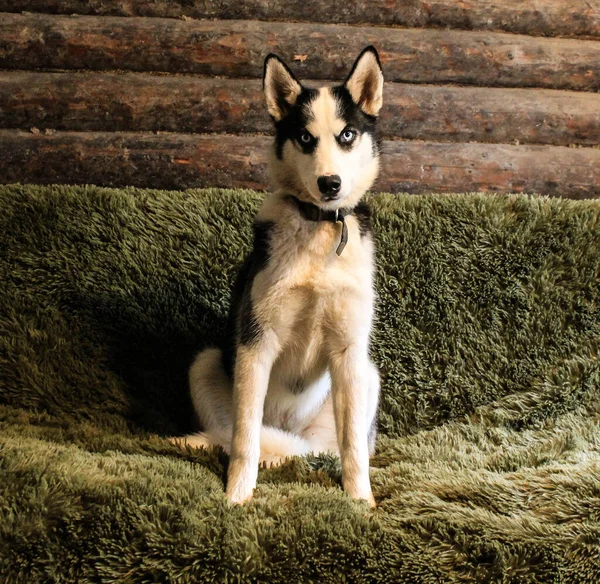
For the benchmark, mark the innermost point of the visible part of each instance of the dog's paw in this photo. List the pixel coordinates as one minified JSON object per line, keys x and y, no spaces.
{"x":238,"y":496}
{"x":365,"y":498}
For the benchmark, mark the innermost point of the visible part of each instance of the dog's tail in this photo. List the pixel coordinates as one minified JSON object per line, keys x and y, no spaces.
{"x":275,"y":445}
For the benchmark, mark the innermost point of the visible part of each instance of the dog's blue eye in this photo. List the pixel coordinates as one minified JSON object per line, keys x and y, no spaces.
{"x":347,"y":136}
{"x":305,"y":138}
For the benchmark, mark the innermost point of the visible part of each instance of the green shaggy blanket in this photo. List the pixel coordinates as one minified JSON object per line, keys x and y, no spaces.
{"x":488,"y":461}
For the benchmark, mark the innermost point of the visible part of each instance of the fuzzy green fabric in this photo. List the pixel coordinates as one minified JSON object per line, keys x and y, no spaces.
{"x":488,"y":462}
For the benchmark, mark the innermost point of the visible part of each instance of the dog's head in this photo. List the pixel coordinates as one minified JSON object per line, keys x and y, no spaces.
{"x":326,"y":150}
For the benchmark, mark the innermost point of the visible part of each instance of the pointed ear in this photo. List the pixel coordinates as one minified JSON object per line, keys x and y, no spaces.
{"x":365,"y":82}
{"x":280,"y":86}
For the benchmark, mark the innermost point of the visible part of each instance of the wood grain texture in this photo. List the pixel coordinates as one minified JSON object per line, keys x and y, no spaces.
{"x":175,"y":161}
{"x":171,"y":161}
{"x":237,"y":48}
{"x":84,"y":101}
{"x":497,"y":115}
{"x":142,"y":102}
{"x":533,"y":17}
{"x":421,"y":167}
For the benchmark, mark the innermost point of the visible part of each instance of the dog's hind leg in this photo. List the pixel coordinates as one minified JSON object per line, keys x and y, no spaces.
{"x":320,"y":432}
{"x":211,"y":392}
{"x":212,"y":396}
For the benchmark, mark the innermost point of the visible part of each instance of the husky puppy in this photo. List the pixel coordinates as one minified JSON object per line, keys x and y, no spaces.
{"x":296,"y":376}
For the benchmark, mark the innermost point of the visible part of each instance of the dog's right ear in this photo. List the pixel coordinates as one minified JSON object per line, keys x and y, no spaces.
{"x":280,"y":86}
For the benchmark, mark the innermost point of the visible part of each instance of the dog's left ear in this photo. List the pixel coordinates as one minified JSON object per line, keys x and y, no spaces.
{"x":365,"y":82}
{"x":280,"y":86}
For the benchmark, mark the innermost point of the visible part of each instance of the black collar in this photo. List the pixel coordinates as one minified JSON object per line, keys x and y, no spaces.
{"x":313,"y":213}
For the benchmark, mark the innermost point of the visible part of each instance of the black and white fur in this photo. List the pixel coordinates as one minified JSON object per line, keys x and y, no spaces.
{"x":296,"y":375}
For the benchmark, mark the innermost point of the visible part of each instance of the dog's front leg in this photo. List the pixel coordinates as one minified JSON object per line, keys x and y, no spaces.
{"x":350,"y":386}
{"x":251,"y":380}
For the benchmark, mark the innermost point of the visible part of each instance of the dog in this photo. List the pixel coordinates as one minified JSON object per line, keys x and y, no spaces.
{"x":295,"y":375}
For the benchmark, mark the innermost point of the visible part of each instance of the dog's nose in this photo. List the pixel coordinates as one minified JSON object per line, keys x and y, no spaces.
{"x":329,"y":184}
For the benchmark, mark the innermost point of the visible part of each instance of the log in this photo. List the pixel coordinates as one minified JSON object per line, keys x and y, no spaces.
{"x":237,"y":48}
{"x":533,"y":17}
{"x":143,"y":102}
{"x":131,"y":102}
{"x":422,"y":167}
{"x":497,"y":115}
{"x":176,"y":161}
{"x":170,"y":161}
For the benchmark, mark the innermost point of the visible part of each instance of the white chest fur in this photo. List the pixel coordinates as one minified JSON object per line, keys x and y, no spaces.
{"x":309,"y":297}
{"x":305,"y":288}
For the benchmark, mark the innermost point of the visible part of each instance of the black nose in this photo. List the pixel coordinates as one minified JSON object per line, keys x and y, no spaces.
{"x":329,"y":184}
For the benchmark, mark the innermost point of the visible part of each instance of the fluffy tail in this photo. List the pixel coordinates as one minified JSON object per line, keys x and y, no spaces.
{"x":275,"y":445}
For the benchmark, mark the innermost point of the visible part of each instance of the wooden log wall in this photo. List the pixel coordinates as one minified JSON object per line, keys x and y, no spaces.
{"x":481,"y":95}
